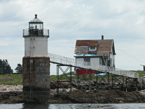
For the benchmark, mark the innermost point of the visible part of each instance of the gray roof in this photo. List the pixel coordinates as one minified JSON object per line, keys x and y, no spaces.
{"x":35,"y":20}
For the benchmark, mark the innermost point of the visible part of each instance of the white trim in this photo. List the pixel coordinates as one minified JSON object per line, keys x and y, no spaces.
{"x":90,"y":49}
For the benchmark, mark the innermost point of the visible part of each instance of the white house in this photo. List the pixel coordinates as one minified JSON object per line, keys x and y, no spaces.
{"x":96,"y":52}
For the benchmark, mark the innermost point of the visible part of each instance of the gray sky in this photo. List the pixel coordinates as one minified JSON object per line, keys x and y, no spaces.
{"x":69,"y":20}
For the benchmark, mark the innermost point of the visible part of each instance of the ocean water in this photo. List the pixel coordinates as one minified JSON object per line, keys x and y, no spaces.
{"x":74,"y":106}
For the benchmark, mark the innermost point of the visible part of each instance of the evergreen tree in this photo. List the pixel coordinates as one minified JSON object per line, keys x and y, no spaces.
{"x":1,"y":66}
{"x":5,"y":68}
{"x":18,"y":68}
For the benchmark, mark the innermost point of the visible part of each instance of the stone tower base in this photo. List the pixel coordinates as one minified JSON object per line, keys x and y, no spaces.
{"x":36,"y":78}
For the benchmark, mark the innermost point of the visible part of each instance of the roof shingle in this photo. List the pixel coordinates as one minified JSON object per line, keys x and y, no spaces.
{"x":104,"y":47}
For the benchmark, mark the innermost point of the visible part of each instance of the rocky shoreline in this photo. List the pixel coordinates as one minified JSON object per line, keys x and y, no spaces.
{"x":10,"y":94}
{"x":101,"y":96}
{"x":8,"y":88}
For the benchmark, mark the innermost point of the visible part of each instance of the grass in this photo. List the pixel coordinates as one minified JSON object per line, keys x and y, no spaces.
{"x":64,"y":77}
{"x":141,"y":73}
{"x":18,"y":77}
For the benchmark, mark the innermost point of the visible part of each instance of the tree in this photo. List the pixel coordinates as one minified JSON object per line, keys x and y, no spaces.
{"x":5,"y":68}
{"x":1,"y":66}
{"x":18,"y":68}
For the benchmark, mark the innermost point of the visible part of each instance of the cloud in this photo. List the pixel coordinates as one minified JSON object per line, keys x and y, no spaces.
{"x":73,"y":17}
{"x":12,"y":49}
{"x":70,"y":20}
{"x":4,"y":44}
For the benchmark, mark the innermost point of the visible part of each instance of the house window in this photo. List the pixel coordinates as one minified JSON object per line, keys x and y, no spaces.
{"x":109,"y":62}
{"x":87,"y":61}
{"x":91,"y":48}
{"x":100,"y":61}
{"x":113,"y":62}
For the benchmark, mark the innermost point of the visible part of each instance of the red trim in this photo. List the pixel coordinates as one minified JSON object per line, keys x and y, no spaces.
{"x":82,"y":72}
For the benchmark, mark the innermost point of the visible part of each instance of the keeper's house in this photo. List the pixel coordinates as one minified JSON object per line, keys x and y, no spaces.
{"x":95,"y":52}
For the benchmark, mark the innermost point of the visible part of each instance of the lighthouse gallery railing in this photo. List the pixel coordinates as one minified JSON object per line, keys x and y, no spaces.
{"x":35,"y":32}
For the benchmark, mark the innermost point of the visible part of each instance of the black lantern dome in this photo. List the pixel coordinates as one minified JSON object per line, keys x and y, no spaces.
{"x":35,"y":23}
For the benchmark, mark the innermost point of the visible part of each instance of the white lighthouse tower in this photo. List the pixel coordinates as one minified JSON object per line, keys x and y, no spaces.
{"x":36,"y":39}
{"x":36,"y":63}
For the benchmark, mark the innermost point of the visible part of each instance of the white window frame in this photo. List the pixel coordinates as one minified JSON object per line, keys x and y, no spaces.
{"x":95,"y":48}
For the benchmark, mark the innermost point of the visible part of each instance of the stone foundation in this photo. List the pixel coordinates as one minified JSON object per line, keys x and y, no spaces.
{"x":36,"y":78}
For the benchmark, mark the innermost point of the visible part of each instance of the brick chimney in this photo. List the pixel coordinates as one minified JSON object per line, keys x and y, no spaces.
{"x":102,"y":37}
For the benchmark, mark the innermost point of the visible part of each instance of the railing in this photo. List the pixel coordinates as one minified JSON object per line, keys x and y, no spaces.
{"x":82,"y":64}
{"x":61,"y":59}
{"x":36,"y":32}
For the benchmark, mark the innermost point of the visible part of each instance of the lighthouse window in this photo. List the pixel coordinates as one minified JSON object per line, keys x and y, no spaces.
{"x":92,"y":48}
{"x":36,"y":26}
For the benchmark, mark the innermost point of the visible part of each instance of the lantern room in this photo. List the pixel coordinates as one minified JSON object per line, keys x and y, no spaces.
{"x":36,"y":23}
{"x":35,"y":28}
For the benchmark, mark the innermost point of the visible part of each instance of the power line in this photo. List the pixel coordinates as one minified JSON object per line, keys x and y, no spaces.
{"x":131,"y":56}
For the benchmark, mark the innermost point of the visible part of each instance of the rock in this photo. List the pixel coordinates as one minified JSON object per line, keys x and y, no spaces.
{"x":103,"y":96}
{"x":64,"y":85}
{"x":53,"y":85}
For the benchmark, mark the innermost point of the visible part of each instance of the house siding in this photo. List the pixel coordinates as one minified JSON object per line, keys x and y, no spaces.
{"x":94,"y":61}
{"x":78,"y":60}
{"x":112,"y":58}
{"x":98,"y":60}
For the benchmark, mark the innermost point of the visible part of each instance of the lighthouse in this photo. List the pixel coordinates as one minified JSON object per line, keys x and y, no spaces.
{"x":36,"y":63}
